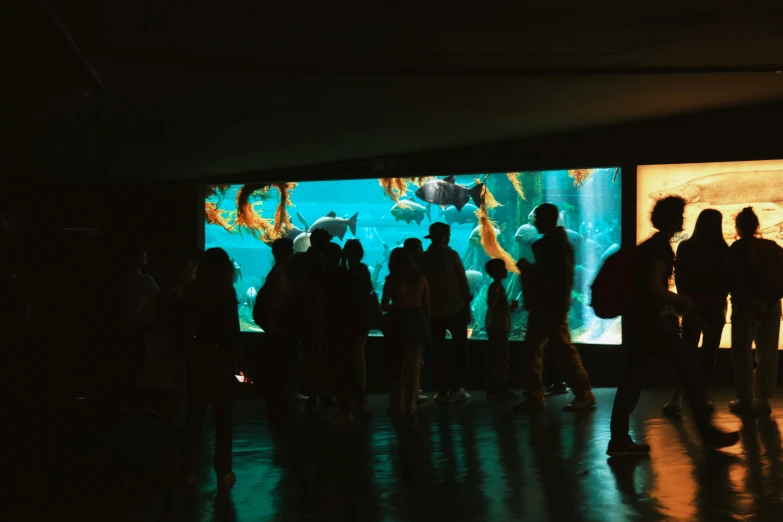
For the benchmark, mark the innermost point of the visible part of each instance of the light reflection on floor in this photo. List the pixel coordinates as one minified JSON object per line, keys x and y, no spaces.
{"x":472,"y":461}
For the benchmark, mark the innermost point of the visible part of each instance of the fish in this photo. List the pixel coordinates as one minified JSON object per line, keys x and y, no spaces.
{"x":237,"y":271}
{"x":445,"y":192}
{"x":609,"y":251}
{"x":772,"y":232}
{"x":729,"y":188}
{"x":250,"y":297}
{"x":336,"y":226}
{"x":527,"y":234}
{"x":592,"y":253}
{"x":467,"y":215}
{"x":475,"y":278}
{"x":582,"y":278}
{"x":302,"y":242}
{"x":302,"y":220}
{"x":575,"y":238}
{"x":290,"y":233}
{"x":408,"y":210}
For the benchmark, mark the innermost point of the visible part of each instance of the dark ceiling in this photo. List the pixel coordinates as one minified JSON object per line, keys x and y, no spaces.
{"x":175,"y":89}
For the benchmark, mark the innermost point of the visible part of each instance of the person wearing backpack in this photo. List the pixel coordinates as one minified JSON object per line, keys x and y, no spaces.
{"x":755,"y":272}
{"x":701,"y":273}
{"x":653,"y":328}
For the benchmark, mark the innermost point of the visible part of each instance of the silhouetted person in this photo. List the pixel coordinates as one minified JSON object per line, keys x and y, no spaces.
{"x":213,"y":360}
{"x":701,"y":273}
{"x":276,"y":314}
{"x":333,"y":346}
{"x":755,"y":315}
{"x":137,"y":291}
{"x":450,"y":298}
{"x":308,"y":277}
{"x":547,"y":286}
{"x":498,"y":326}
{"x":653,"y":328}
{"x":414,"y":246}
{"x":406,"y":294}
{"x":361,"y":303}
{"x":553,"y":375}
{"x":171,"y":328}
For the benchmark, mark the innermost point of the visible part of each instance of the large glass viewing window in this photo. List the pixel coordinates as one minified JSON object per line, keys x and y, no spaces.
{"x":383,"y":213}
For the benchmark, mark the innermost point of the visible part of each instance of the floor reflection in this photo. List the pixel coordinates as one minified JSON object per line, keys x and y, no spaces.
{"x":474,"y":462}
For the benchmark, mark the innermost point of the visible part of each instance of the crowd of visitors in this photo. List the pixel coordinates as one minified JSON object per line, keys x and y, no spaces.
{"x":187,"y":329}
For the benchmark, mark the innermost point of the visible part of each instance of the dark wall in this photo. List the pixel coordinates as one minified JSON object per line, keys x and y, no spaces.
{"x":748,"y":133}
{"x":66,"y":256}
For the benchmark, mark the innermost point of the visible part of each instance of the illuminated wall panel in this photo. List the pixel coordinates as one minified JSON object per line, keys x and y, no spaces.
{"x":727,"y":187}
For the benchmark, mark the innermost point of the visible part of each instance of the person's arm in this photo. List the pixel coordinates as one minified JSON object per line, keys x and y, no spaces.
{"x":232,"y":333}
{"x":386,"y":297}
{"x":680,"y":268}
{"x":367,"y":279}
{"x":658,"y":288}
{"x":152,"y":288}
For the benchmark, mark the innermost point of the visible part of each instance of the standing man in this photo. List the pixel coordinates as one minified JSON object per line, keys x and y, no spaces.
{"x":547,"y":285}
{"x":450,"y":301}
{"x":274,"y":313}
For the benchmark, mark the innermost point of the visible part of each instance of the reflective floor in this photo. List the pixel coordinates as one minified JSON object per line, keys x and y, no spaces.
{"x":475,"y":461}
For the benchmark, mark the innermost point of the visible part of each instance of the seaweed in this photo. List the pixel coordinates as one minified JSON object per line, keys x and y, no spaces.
{"x":580,"y":175}
{"x":395,"y":188}
{"x":513,"y":177}
{"x":489,"y":240}
{"x":282,"y":221}
{"x":214,"y":216}
{"x":488,"y":200}
{"x":248,"y":217}
{"x":219,"y":191}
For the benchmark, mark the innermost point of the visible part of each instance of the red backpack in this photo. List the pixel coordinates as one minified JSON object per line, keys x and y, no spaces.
{"x":613,"y":287}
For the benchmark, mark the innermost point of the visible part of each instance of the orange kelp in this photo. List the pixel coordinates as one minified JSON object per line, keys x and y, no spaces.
{"x":216,"y":190}
{"x":247,"y":215}
{"x":395,"y":188}
{"x":580,"y":175}
{"x":486,"y":196}
{"x":419,"y":181}
{"x":489,"y":240}
{"x":214,"y":216}
{"x":513,"y":177}
{"x":282,"y":218}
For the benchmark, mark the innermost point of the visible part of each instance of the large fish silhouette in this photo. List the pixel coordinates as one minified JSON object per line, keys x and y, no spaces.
{"x":729,"y":188}
{"x":445,"y":192}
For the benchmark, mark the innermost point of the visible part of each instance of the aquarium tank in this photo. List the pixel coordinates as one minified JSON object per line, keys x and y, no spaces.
{"x":490,"y":216}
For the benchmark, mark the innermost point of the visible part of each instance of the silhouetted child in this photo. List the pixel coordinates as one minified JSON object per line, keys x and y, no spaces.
{"x":498,"y":325}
